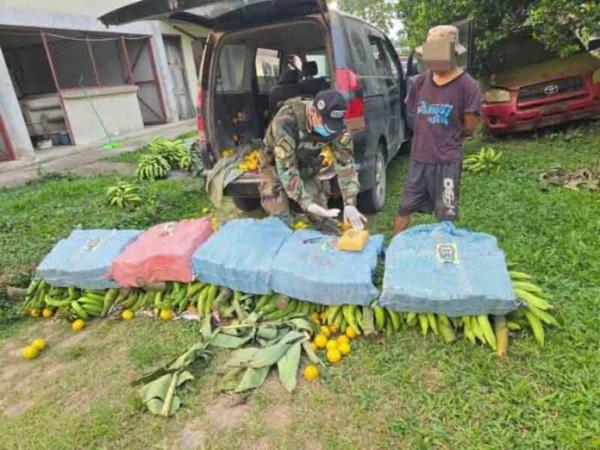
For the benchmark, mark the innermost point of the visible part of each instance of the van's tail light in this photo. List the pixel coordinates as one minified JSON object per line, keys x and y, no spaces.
{"x":200,"y":124}
{"x":347,"y":82}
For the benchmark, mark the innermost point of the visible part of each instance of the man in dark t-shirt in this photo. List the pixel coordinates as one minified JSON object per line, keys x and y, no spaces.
{"x":445,"y":103}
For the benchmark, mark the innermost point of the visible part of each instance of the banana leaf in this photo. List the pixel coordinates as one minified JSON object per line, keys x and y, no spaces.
{"x":160,"y":396}
{"x":253,"y":378}
{"x":231,"y":379}
{"x":288,"y":366}
{"x":228,"y":341}
{"x":181,"y":362}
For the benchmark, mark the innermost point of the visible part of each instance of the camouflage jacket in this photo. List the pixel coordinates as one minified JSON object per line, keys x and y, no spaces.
{"x":290,"y":147}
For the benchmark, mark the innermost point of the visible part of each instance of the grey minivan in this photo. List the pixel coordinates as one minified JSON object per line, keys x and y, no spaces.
{"x":260,"y":52}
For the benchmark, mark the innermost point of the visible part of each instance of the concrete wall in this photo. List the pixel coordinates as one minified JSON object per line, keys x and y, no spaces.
{"x":116,"y":106}
{"x":11,"y":114}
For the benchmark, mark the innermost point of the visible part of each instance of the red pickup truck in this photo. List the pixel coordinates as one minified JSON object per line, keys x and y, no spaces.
{"x":534,"y":88}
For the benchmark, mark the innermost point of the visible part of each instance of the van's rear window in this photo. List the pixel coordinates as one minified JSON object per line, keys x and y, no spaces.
{"x":230,"y":76}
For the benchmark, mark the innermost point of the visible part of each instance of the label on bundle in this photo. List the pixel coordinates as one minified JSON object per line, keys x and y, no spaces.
{"x":447,"y":253}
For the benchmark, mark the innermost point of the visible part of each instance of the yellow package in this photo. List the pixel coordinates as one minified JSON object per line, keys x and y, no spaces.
{"x":353,"y":241}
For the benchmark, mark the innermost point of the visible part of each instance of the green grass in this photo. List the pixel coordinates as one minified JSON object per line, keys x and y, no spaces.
{"x":129,"y":157}
{"x":409,"y":392}
{"x":34,"y":217}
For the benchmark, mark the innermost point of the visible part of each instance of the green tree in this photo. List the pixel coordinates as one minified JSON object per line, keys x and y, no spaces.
{"x":552,"y":22}
{"x":378,"y":12}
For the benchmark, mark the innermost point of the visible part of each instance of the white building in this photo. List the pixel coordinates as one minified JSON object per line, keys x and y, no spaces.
{"x":67,"y":79}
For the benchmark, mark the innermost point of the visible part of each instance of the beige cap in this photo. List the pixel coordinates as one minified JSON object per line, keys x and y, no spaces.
{"x":443,"y":33}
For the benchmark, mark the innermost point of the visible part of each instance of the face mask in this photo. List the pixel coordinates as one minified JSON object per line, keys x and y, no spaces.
{"x":322,"y":131}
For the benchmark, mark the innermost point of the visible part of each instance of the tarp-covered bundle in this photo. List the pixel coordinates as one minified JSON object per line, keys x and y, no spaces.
{"x":310,"y":267}
{"x":240,"y":256}
{"x":83,"y":259}
{"x":163,"y":253}
{"x":446,"y":270}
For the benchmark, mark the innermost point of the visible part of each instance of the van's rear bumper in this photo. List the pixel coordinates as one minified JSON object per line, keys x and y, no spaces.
{"x":245,"y":186}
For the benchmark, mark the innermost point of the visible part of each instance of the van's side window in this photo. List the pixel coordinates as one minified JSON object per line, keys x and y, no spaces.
{"x":363,"y":62}
{"x":393,"y":59}
{"x":267,"y":68}
{"x":230,"y":77}
{"x":382,"y":63}
{"x":359,"y":53}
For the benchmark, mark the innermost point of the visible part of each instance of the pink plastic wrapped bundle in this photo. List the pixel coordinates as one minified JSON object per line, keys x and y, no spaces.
{"x":163,"y":253}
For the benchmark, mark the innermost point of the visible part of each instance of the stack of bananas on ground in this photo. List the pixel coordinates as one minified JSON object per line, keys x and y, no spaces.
{"x":250,"y":161}
{"x":124,"y":195}
{"x":196,"y":300}
{"x":152,"y":166}
{"x":485,"y":160}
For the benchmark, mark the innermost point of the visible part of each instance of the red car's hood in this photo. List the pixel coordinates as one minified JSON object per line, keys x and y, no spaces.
{"x":554,"y":69}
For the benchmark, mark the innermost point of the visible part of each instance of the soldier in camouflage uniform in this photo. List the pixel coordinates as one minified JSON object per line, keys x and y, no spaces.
{"x":290,"y":160}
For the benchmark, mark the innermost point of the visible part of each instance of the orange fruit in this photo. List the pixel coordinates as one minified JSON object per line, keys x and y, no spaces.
{"x":320,"y":341}
{"x":311,"y":372}
{"x":334,"y":356}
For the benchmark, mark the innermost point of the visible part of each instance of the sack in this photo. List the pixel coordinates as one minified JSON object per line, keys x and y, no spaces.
{"x":446,"y":270}
{"x":163,"y":253}
{"x":310,"y":267}
{"x":83,"y":259}
{"x":240,"y":256}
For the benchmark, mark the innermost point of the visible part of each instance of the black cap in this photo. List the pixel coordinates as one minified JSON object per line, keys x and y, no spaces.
{"x":332,"y":108}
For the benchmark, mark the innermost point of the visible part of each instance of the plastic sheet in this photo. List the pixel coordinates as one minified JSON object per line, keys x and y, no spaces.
{"x":163,"y":253}
{"x":241,"y":254}
{"x":310,"y":267}
{"x":446,"y":270}
{"x":83,"y":260}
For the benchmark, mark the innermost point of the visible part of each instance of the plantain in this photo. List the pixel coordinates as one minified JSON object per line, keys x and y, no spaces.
{"x":486,"y":328}
{"x":395,"y":319}
{"x":423,"y":323}
{"x":379,"y":318}
{"x":536,"y":327}
{"x":445,"y":328}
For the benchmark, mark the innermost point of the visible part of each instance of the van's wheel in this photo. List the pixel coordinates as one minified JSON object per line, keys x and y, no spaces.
{"x":246,"y":204}
{"x":372,"y":201}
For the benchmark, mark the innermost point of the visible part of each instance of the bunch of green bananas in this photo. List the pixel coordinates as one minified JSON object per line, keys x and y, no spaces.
{"x":535,"y":311}
{"x":35,"y":298}
{"x":186,"y":161}
{"x":152,"y":166}
{"x":124,"y":195}
{"x":483,"y":161}
{"x":280,"y":307}
{"x":175,"y":152}
{"x":74,"y":303}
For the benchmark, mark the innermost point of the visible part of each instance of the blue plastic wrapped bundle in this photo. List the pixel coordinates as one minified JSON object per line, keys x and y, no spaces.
{"x":446,"y":270}
{"x":310,"y":267}
{"x":83,"y":259}
{"x":241,"y":254}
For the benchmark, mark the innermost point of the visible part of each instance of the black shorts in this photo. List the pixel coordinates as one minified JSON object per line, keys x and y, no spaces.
{"x":432,"y":188}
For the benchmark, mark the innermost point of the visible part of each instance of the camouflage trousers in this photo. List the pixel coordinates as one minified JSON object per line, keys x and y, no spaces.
{"x":275,"y":202}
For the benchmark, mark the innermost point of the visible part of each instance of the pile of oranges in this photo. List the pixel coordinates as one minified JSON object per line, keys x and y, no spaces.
{"x":335,"y":344}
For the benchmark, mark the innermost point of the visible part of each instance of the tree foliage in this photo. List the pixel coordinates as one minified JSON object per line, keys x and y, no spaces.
{"x":378,"y":12}
{"x":555,"y":23}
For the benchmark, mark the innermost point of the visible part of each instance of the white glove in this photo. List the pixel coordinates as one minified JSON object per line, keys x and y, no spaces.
{"x":356,"y":219}
{"x":317,"y":210}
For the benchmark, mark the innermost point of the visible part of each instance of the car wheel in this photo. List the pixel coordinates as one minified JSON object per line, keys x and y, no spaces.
{"x":246,"y":204}
{"x":372,"y":201}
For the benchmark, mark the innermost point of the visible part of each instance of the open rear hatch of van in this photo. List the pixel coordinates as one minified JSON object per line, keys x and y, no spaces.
{"x":221,"y":15}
